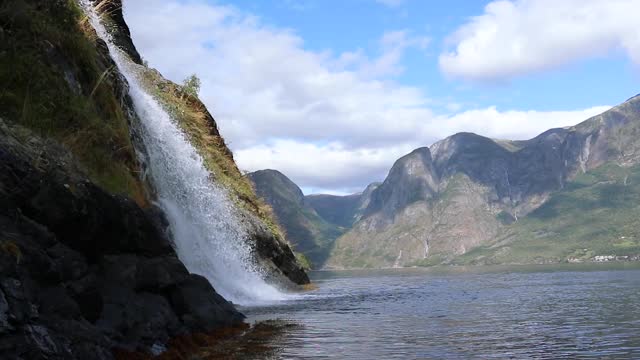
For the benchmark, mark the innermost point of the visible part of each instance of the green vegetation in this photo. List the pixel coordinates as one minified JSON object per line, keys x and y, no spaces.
{"x":303,"y":260}
{"x":191,"y":85}
{"x":595,"y":214}
{"x":436,"y":259}
{"x":57,"y":83}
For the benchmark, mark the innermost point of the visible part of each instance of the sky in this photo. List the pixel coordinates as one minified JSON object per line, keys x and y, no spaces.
{"x":332,"y":92}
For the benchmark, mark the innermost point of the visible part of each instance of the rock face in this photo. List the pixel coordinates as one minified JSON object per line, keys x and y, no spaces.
{"x":309,"y":233}
{"x":440,"y":202}
{"x":119,"y":29}
{"x":84,"y":271}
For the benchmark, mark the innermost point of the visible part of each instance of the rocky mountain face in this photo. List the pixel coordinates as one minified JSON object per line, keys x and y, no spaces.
{"x":86,"y":261}
{"x":463,"y":192}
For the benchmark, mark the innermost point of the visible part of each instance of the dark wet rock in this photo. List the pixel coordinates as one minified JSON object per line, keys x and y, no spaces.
{"x":68,"y":263}
{"x":280,"y":258}
{"x":157,"y":274}
{"x":197,"y":310}
{"x":112,"y":10}
{"x":5,"y":326}
{"x":84,"y":271}
{"x":273,"y":254}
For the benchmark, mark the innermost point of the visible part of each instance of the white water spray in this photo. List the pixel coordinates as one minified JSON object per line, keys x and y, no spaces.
{"x":207,"y":234}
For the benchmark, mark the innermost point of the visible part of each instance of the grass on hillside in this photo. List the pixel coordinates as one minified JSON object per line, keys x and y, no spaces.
{"x":55,"y":83}
{"x":595,"y":214}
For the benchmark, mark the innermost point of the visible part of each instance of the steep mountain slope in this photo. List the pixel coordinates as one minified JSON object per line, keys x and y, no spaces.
{"x":440,"y":202}
{"x":309,"y":233}
{"x":596,"y":214}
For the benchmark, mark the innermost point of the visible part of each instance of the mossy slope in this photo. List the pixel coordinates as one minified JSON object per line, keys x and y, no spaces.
{"x":58,"y":80}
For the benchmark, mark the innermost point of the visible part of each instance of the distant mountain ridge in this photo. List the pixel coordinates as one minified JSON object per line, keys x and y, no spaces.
{"x":440,"y":202}
{"x":312,"y":223}
{"x":342,"y":210}
{"x":472,"y":199}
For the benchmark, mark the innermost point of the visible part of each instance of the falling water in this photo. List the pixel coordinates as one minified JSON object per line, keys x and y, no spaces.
{"x":207,"y":234}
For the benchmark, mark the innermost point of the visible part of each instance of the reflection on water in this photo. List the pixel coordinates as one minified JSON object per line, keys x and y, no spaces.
{"x":262,"y":340}
{"x":459,"y":313}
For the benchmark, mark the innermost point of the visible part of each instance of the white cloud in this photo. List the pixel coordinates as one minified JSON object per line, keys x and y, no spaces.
{"x":327,"y":121}
{"x":328,"y":166}
{"x":513,"y":38}
{"x":393,"y":45}
{"x":347,"y":168}
{"x":515,"y":125}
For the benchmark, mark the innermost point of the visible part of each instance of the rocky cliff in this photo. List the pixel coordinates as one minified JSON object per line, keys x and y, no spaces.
{"x":86,"y":261}
{"x":466,"y":191}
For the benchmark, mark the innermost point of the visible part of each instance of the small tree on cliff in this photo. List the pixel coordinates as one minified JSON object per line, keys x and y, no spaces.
{"x":191,"y":85}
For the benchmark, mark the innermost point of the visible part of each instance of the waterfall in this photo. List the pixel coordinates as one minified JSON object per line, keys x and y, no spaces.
{"x":207,"y":234}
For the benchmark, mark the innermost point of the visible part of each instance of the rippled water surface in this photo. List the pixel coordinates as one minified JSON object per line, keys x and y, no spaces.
{"x":537,"y":312}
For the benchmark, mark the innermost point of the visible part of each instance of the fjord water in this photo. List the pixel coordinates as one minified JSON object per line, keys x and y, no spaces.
{"x":541,"y":312}
{"x":208,"y":236}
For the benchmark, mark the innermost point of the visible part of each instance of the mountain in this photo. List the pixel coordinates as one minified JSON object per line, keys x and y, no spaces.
{"x":341,"y":210}
{"x":309,"y":233}
{"x":566,"y":194}
{"x":91,"y":267}
{"x":312,"y":223}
